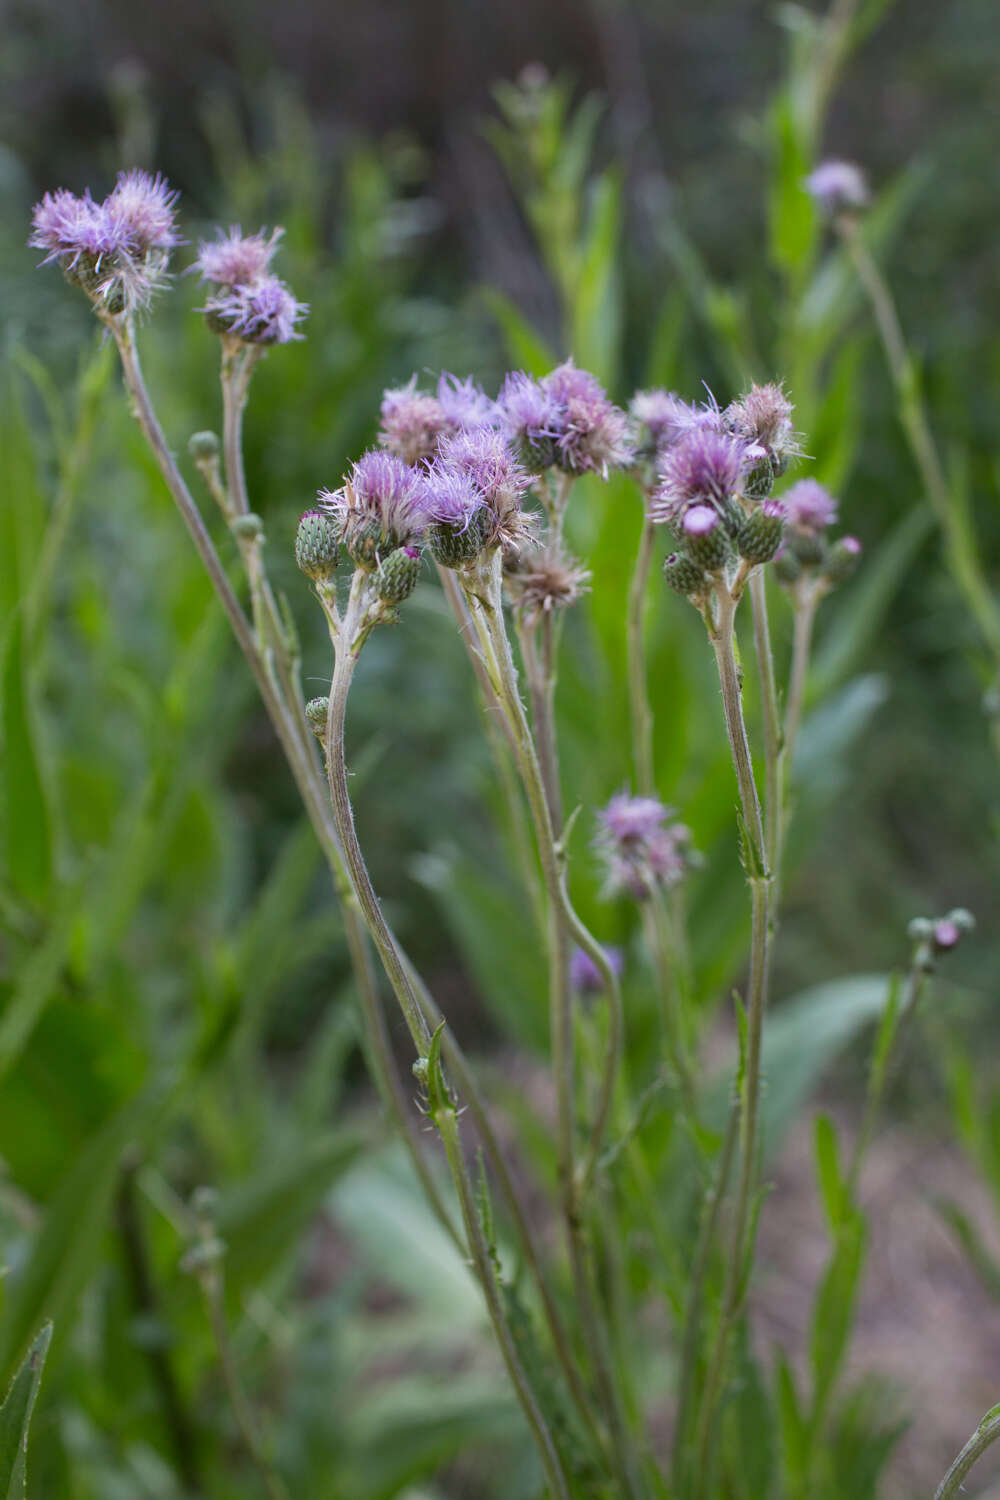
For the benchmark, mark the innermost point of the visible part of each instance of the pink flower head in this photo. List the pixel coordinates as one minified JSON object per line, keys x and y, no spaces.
{"x":116,"y":250}
{"x":660,"y":417}
{"x":809,"y":507}
{"x":236,"y":259}
{"x":592,"y":433}
{"x":143,"y":207}
{"x":704,"y":467}
{"x":412,"y":422}
{"x":763,"y":419}
{"x":450,"y":498}
{"x":485,"y":460}
{"x":464,"y":403}
{"x":531,"y":417}
{"x":584,"y":975}
{"x":641,"y":850}
{"x":836,"y":186}
{"x":263,"y":312}
{"x":380,"y":489}
{"x":699,"y":520}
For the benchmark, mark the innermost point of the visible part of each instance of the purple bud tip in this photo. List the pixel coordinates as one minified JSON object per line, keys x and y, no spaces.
{"x":585,"y":976}
{"x":773,"y":508}
{"x":851,"y":544}
{"x":946,"y":934}
{"x":412,"y":551}
{"x":699,"y":520}
{"x":836,"y":185}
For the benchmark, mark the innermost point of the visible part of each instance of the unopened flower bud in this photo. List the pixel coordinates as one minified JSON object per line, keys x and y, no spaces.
{"x":453,"y":546}
{"x":919,"y":929}
{"x":758,"y":481}
{"x":842,"y":559}
{"x":787,"y":568}
{"x":203,"y":447}
{"x":760,"y":535}
{"x":205,"y":1202}
{"x":397,"y":575}
{"x":317,"y":544}
{"x":316,"y":714}
{"x":250,"y":527}
{"x":706,"y":538}
{"x":683,"y":575}
{"x":365,"y":539}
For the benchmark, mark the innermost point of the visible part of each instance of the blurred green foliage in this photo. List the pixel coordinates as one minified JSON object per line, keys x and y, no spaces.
{"x":175,"y":1005}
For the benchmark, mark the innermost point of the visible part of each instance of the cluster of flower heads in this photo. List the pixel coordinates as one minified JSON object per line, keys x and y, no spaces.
{"x":641,"y":847}
{"x":565,"y":421}
{"x":249,"y":302}
{"x":806,"y":550}
{"x":116,"y":250}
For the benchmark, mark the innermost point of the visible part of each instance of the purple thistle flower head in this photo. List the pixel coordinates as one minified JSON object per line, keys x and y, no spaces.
{"x":837,"y":185}
{"x":641,"y":850}
{"x":531,"y":418}
{"x":660,"y":417}
{"x":584,"y":975}
{"x":449,"y":497}
{"x":236,"y":259}
{"x":144,"y":207}
{"x":383,"y":491}
{"x":412,"y":422}
{"x":809,"y":507}
{"x":704,"y":467}
{"x":763,"y":419}
{"x":483,"y":457}
{"x":265,"y":312}
{"x":116,"y":250}
{"x":593,"y":434}
{"x":464,"y":403}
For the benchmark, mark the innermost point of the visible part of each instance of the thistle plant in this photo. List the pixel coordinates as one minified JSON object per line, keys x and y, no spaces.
{"x":484,"y":490}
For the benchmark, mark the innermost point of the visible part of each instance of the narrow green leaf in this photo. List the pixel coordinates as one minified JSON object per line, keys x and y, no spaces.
{"x":833,"y":1310}
{"x":828,"y":1175}
{"x":15,"y":1417}
{"x":527,"y":348}
{"x":27,"y":827}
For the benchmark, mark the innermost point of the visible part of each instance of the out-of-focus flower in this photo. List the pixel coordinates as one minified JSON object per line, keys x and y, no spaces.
{"x":584,"y":975}
{"x":262,"y":312}
{"x":116,"y":250}
{"x":836,"y":186}
{"x":641,"y":847}
{"x":236,"y":259}
{"x":809,"y":506}
{"x":540,"y":583}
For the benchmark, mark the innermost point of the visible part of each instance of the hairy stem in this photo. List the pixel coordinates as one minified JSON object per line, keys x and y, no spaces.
{"x":638,"y":686}
{"x":773,"y":818}
{"x":985,"y":1434}
{"x":724,"y":644}
{"x":345,"y":640}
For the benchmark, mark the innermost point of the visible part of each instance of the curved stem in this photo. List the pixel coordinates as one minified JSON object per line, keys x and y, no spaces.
{"x":346,"y":653}
{"x":638,"y":689}
{"x":985,"y":1434}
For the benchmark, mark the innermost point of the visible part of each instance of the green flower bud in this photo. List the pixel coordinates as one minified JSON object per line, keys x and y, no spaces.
{"x":454,"y":548}
{"x":317,"y":545}
{"x":787,"y":568}
{"x":250,"y":527}
{"x":683,"y":575}
{"x":759,"y":481}
{"x":316,"y":712}
{"x":203,"y":447}
{"x":706,"y":539}
{"x":397,"y":575}
{"x":365,"y":541}
{"x":759,"y":537}
{"x":842,"y":559}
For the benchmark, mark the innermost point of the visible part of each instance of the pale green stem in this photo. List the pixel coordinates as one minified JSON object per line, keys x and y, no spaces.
{"x":770,"y":719}
{"x":347,"y":640}
{"x":985,"y":1434}
{"x":486,"y":608}
{"x":723,"y":642}
{"x":291,"y":731}
{"x":638,"y":685}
